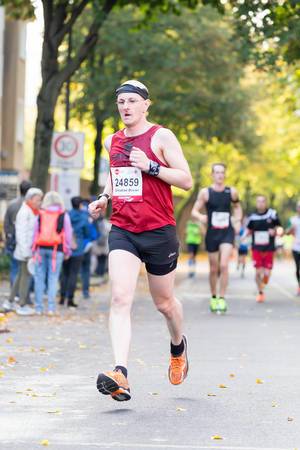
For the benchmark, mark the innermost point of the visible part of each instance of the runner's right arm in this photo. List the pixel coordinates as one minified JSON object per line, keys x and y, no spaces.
{"x":199,"y":206}
{"x":100,"y":205}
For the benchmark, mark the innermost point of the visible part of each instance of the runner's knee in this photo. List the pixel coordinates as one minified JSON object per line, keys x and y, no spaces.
{"x":121,"y":300}
{"x":224,"y":267}
{"x":165,"y":306}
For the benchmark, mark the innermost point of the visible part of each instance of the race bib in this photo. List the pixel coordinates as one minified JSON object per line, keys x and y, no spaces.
{"x":220,"y":219}
{"x":261,"y":238}
{"x":127,"y":184}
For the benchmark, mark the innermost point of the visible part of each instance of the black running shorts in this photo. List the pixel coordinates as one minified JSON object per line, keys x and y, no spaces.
{"x":158,"y":249}
{"x":214,"y":238}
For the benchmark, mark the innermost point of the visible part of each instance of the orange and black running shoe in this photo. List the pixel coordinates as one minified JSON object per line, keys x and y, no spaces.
{"x":179,"y":366}
{"x":114,"y":383}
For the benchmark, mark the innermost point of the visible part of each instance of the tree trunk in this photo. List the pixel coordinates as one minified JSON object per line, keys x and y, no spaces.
{"x":94,"y":189}
{"x":42,"y":141}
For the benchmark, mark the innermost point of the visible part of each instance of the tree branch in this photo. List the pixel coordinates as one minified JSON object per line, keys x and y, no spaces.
{"x":87,"y":45}
{"x":60,"y":32}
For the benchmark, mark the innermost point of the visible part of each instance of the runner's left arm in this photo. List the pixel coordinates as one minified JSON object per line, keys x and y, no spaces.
{"x":178,"y":172}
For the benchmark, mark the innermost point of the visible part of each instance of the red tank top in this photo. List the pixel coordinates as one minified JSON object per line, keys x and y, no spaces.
{"x":156,"y":210}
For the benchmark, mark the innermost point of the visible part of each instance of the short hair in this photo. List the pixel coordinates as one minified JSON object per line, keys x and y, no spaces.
{"x":263,"y":196}
{"x":24,"y":186}
{"x":53,"y":198}
{"x":76,"y":201}
{"x":32,"y":192}
{"x":217,"y":164}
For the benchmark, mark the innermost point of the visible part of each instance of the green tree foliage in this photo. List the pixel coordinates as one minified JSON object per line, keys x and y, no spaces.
{"x":270,"y":28}
{"x":190,"y":64}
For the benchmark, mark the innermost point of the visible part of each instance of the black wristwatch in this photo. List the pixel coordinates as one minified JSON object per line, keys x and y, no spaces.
{"x":154,"y":168}
{"x":104,"y":195}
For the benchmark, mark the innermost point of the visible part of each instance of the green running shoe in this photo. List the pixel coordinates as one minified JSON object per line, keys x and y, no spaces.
{"x":222,"y":305}
{"x":214,"y":302}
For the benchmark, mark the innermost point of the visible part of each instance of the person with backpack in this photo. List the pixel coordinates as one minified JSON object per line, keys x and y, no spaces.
{"x":24,"y":230}
{"x":51,"y":245}
{"x":71,"y":266}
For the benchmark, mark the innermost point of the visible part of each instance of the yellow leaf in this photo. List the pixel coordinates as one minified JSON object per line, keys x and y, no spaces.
{"x":211,"y":395}
{"x":232,"y":375}
{"x":290,"y":419}
{"x":44,"y":369}
{"x":259,"y":381}
{"x":153,"y":393}
{"x":216,"y":438}
{"x":180,"y":409}
{"x":11,"y":360}
{"x":82,"y":346}
{"x":54,"y":411}
{"x":44,"y":442}
{"x":1,"y":374}
{"x":9,"y":340}
{"x":222,"y":386}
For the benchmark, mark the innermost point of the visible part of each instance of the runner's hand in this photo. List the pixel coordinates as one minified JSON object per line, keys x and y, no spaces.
{"x":272,"y":231}
{"x":139,"y":159}
{"x":97,"y":207}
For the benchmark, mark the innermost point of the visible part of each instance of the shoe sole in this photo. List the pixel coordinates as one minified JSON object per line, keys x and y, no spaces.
{"x":108,"y":386}
{"x":187,"y":362}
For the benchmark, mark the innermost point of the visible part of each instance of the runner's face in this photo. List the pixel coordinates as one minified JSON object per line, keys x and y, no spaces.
{"x":132,"y":108}
{"x":261,"y":204}
{"x":218,"y":174}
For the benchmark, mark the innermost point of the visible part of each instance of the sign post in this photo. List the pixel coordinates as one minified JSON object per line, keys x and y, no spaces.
{"x":67,"y":160}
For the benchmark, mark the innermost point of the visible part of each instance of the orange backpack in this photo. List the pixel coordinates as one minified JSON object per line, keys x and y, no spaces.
{"x":50,"y":232}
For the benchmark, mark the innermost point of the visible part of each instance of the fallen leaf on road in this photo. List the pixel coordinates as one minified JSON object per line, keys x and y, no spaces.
{"x":153,"y":393}
{"x":222,"y":386}
{"x":290,"y":419}
{"x":82,"y":346}
{"x":9,"y":340}
{"x":54,"y":411}
{"x":180,"y":409}
{"x":216,"y":438}
{"x":44,"y":369}
{"x":11,"y":360}
{"x":1,"y":374}
{"x":259,"y":381}
{"x":232,"y":375}
{"x":44,"y":442}
{"x":211,"y":395}
{"x":274,"y":405}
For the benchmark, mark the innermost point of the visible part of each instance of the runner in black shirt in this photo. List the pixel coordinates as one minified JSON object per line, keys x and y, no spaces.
{"x":262,"y":226}
{"x":221,"y":228}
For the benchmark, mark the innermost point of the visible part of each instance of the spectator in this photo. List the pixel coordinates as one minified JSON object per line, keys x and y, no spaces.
{"x":86,"y":260}
{"x":9,"y":228}
{"x":72,"y":265}
{"x":52,"y":242}
{"x":100,"y":248}
{"x":25,"y":222}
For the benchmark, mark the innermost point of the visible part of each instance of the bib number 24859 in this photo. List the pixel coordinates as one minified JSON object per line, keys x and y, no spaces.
{"x":127,"y":184}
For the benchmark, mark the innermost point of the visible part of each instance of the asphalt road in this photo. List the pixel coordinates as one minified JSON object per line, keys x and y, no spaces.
{"x":243,"y":385}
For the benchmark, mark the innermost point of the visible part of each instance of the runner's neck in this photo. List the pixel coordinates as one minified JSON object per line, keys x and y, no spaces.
{"x":218,"y":187}
{"x":138,"y":129}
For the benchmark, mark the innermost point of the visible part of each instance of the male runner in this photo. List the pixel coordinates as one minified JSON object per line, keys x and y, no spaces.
{"x":221,"y":228}
{"x":294,"y":229}
{"x":145,"y":160}
{"x":262,"y":226}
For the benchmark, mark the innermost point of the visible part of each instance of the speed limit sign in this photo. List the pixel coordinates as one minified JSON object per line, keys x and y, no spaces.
{"x":67,"y":150}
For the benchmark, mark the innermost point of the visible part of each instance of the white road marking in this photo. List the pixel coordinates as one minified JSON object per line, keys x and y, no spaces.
{"x":163,"y":446}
